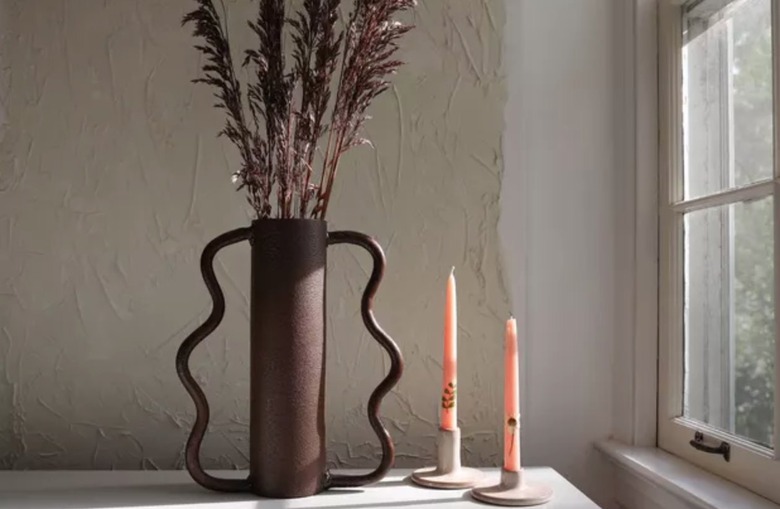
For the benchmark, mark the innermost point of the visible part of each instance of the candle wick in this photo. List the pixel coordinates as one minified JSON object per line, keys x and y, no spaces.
{"x":452,"y":272}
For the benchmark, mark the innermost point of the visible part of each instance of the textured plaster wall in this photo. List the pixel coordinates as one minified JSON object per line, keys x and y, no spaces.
{"x":112,"y":181}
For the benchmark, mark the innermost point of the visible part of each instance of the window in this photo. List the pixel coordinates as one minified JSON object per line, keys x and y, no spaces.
{"x":719,"y":195}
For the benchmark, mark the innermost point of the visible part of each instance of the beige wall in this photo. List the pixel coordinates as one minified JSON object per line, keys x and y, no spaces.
{"x":112,"y":181}
{"x":564,"y":191}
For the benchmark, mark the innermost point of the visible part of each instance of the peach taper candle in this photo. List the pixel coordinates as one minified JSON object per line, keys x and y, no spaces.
{"x":448,"y":474}
{"x":449,"y":409}
{"x":511,"y":399}
{"x":513,"y":489}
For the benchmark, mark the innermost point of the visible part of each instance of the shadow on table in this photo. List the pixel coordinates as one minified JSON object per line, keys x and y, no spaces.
{"x":405,"y":481}
{"x":395,"y":503}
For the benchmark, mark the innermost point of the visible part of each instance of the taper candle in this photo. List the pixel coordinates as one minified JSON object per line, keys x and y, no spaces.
{"x":511,"y":399}
{"x":449,"y":410}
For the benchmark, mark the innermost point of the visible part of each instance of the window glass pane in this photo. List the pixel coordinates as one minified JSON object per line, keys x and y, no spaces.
{"x":727,"y":96}
{"x":729,"y":319}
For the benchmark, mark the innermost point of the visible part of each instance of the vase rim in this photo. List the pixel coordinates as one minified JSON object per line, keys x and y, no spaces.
{"x":300,"y":220}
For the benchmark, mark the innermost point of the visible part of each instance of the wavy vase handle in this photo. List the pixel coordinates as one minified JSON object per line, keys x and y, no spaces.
{"x":396,"y":366}
{"x":183,"y":369}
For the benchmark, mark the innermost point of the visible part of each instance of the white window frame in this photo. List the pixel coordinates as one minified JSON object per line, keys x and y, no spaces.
{"x":751,"y":466}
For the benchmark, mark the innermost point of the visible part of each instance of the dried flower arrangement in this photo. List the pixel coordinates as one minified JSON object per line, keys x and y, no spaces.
{"x":286,"y":112}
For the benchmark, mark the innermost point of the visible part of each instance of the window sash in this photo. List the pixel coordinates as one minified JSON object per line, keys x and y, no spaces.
{"x":751,"y":465}
{"x":756,"y":191}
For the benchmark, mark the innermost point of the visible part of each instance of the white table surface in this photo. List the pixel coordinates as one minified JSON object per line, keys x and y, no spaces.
{"x":175,"y":489}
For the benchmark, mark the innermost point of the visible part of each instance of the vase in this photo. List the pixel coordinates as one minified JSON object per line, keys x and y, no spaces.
{"x":287,"y":456}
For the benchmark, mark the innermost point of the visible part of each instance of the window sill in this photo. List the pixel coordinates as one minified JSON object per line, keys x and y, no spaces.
{"x":659,"y":479}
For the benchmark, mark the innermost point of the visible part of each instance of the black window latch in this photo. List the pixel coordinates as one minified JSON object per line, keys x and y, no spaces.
{"x":724,"y":449}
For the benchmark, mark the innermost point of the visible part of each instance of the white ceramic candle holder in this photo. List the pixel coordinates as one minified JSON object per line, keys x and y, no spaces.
{"x":513,"y":490}
{"x":448,"y":474}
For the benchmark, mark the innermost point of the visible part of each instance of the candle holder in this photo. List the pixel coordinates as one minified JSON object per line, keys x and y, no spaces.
{"x":513,"y":490}
{"x":448,"y":474}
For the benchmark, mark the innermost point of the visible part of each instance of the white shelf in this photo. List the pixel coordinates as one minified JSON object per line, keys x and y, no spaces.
{"x":175,"y":489}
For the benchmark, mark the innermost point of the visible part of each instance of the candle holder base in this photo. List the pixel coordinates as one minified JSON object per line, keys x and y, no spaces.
{"x":513,"y":490}
{"x":448,"y":474}
{"x":459,"y":479}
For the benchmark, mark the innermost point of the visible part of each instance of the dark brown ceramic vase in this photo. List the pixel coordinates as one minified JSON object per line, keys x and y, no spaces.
{"x":287,"y":365}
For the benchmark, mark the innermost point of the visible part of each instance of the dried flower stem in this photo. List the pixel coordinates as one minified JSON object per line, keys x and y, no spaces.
{"x":279,"y":148}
